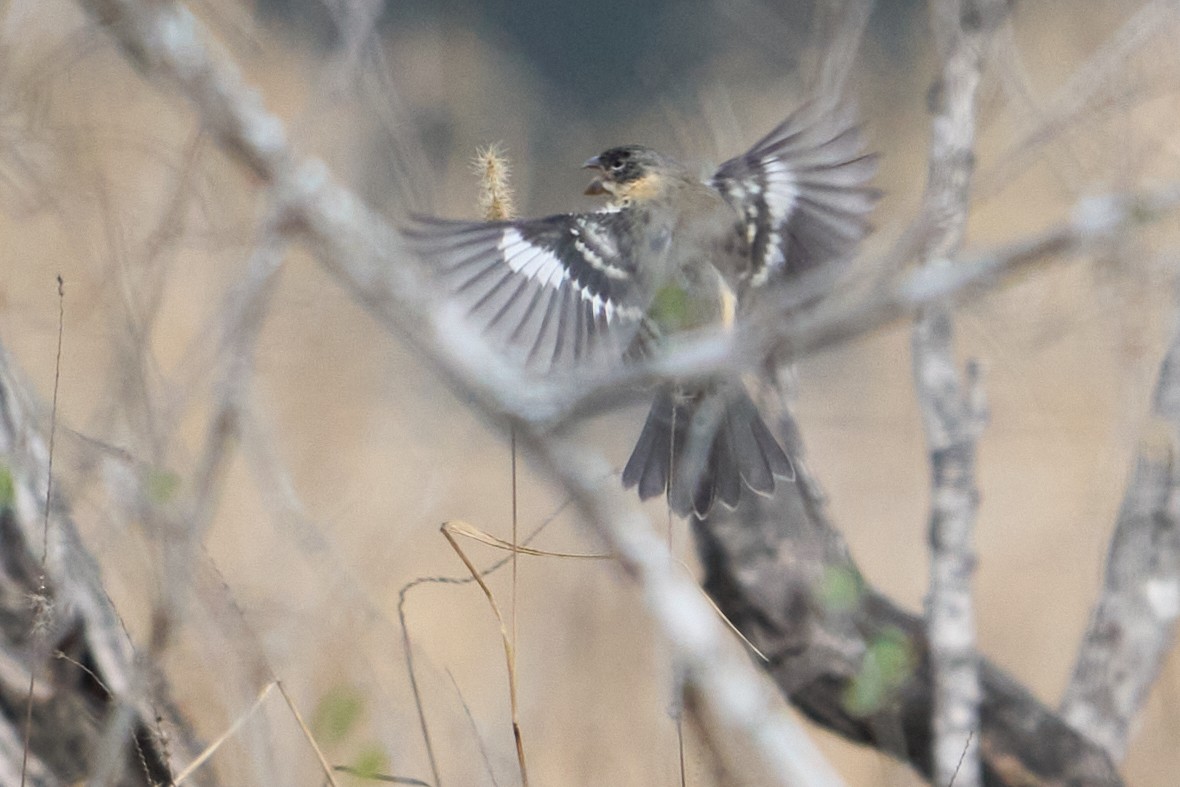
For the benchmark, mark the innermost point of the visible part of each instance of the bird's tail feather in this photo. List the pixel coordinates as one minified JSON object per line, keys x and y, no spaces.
{"x":705,"y":446}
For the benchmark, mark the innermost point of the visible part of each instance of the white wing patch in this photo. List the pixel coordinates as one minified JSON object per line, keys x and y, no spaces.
{"x":782,"y":191}
{"x":530,"y":260}
{"x":543,"y":267}
{"x":613,"y":310}
{"x":751,"y":223}
{"x":780,"y":197}
{"x":802,"y":191}
{"x":597,"y":247}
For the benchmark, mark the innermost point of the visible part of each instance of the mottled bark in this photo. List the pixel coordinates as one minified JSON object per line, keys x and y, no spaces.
{"x":62,"y":645}
{"x":782,"y":573}
{"x":1133,"y":625}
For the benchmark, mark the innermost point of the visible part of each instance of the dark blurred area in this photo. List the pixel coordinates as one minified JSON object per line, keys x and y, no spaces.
{"x":613,"y":55}
{"x":597,"y":66}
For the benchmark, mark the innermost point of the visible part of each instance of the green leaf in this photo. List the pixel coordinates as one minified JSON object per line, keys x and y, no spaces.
{"x":162,"y":486}
{"x":840,"y":589}
{"x":7,"y":487}
{"x":337,"y":713}
{"x":888,"y":663}
{"x":669,"y":309}
{"x":370,"y":762}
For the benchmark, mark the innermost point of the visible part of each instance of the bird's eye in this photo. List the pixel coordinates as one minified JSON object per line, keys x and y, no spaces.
{"x":617,"y":166}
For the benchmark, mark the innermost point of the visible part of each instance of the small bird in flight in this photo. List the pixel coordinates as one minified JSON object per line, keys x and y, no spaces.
{"x":669,"y":253}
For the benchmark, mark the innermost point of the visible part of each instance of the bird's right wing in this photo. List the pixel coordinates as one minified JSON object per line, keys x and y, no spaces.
{"x":554,"y":292}
{"x":802,"y":192}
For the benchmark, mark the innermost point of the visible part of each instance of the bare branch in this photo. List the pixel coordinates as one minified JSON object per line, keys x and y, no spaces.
{"x":950,"y":416}
{"x":782,"y":572}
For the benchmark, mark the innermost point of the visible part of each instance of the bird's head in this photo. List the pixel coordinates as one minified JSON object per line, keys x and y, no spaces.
{"x":628,"y":173}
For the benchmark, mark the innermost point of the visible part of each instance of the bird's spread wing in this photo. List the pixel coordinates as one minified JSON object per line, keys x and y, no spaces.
{"x":556,"y":291}
{"x":801,"y":192}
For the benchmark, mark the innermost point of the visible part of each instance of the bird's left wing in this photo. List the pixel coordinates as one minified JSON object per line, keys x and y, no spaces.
{"x":802,"y":193}
{"x":554,"y":292}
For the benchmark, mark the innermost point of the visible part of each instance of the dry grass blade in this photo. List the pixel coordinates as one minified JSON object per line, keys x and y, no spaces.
{"x":729,"y":624}
{"x":381,"y":777}
{"x":327,"y":768}
{"x":212,"y":748}
{"x":497,"y":202}
{"x":509,"y":650}
{"x":403,"y":595}
{"x":461,"y":528}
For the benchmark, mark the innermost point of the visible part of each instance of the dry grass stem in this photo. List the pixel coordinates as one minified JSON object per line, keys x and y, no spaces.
{"x":509,"y":647}
{"x":325,"y":766}
{"x":230,"y":732}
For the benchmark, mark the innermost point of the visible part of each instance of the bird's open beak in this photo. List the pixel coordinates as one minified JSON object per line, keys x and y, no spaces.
{"x":595,"y":186}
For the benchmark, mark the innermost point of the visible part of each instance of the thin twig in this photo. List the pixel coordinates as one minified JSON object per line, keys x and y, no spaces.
{"x":42,"y":609}
{"x":515,"y":551}
{"x":961,"y":758}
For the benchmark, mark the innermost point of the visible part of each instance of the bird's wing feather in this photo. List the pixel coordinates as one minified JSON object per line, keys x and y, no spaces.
{"x":556,"y":291}
{"x":801,"y":192}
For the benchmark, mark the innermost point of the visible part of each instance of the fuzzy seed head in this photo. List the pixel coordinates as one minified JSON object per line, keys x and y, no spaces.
{"x":496,"y":200}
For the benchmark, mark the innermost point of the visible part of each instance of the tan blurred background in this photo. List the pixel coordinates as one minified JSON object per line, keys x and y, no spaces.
{"x":355,"y":452}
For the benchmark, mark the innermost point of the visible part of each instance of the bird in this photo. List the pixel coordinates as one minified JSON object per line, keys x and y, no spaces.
{"x":669,"y":253}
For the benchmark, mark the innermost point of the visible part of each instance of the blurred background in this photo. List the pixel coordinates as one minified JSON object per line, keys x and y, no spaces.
{"x":354,"y":452}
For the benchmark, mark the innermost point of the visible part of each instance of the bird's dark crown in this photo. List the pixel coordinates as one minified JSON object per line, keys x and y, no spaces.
{"x":627,"y":163}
